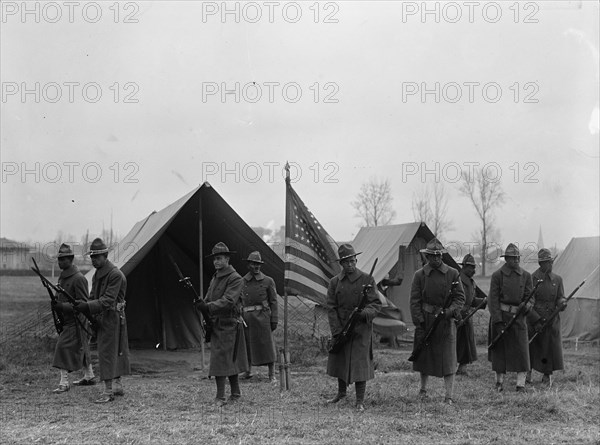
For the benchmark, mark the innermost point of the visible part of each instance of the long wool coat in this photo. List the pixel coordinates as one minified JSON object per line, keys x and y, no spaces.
{"x":107,"y":296}
{"x":431,"y":287}
{"x":354,"y":363}
{"x":508,"y":286}
{"x":259,"y":290}
{"x":72,"y":348}
{"x":545,"y":351}
{"x":227,"y":344}
{"x":466,"y":351}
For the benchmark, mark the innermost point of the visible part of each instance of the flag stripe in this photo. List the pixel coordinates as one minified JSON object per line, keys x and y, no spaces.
{"x":293,"y":255}
{"x":316,"y":277}
{"x":298,"y":284}
{"x":299,"y":247}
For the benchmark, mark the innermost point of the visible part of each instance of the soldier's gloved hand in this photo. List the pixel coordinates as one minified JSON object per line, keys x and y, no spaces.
{"x":562,"y":306}
{"x":202,"y":306}
{"x":458,"y":317}
{"x":448,"y":314}
{"x":499,"y":325}
{"x":66,"y":308}
{"x":82,"y":307}
{"x":273,"y":325}
{"x":361,"y":316}
{"x":539,"y":324}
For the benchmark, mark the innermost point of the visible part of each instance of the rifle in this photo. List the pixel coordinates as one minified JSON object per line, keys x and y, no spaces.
{"x":557,"y":310}
{"x":60,"y":290}
{"x":205,"y":321}
{"x":347,"y":331}
{"x":58,"y":318}
{"x":436,"y":321}
{"x":520,"y":310}
{"x":475,"y":309}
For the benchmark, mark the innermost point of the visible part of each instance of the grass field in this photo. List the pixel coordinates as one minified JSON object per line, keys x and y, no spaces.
{"x":168,"y":400}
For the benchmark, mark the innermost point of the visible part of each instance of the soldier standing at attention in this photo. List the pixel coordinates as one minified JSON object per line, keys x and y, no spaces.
{"x":107,"y":301}
{"x":259,"y":300}
{"x":73,"y":348}
{"x":545,"y":351}
{"x":431,"y":288}
{"x":510,"y":285}
{"x":466,"y":351}
{"x":227,"y":345}
{"x":354,"y":362}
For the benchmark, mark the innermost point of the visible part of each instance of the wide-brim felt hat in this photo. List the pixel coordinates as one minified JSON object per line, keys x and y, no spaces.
{"x":544,"y":255}
{"x":434,"y":247}
{"x":511,"y":250}
{"x":346,"y":251}
{"x":468,"y":260}
{"x":255,"y":257}
{"x":97,"y":247}
{"x":220,"y":249}
{"x":64,"y":250}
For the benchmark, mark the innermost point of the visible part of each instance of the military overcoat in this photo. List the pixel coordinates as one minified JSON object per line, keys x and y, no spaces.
{"x":429,"y":291}
{"x":72,"y":348}
{"x":107,"y":303}
{"x":545,"y":351}
{"x":227,"y":344}
{"x":509,"y":287}
{"x":466,"y":350}
{"x":259,"y":294}
{"x":354,"y":363}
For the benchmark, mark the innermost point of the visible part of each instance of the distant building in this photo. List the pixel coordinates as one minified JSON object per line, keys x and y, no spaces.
{"x":13,"y":255}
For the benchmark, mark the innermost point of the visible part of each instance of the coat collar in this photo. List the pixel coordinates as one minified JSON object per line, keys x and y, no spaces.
{"x":352,"y":277}
{"x":465,"y":278}
{"x":104,"y":270}
{"x":72,"y":270}
{"x":507,"y":270}
{"x":248,"y":277}
{"x":428,"y":269}
{"x":225,"y":271}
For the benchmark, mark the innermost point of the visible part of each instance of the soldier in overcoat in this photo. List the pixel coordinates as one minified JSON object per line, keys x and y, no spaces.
{"x":107,"y":304}
{"x":259,"y":300}
{"x":354,"y":362}
{"x":466,"y":351}
{"x":509,"y":286}
{"x":432,"y":285}
{"x":227,"y":345}
{"x":72,"y":348}
{"x":545,"y":351}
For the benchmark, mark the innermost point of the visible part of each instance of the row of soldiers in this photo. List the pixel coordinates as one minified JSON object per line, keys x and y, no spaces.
{"x":242,"y":311}
{"x":442,"y":295}
{"x":243,"y":314}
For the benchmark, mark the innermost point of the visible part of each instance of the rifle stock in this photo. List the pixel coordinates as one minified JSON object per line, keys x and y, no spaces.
{"x":56,"y":317}
{"x":436,"y":321}
{"x":339,"y":341}
{"x":519,"y":311}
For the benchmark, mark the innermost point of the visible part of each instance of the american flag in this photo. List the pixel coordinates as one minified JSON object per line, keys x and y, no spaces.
{"x":310,"y":258}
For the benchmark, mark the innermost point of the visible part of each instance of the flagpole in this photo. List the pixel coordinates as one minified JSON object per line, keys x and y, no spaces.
{"x":285,"y":380}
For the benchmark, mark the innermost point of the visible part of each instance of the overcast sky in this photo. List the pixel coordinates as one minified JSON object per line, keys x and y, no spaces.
{"x":128,"y":117}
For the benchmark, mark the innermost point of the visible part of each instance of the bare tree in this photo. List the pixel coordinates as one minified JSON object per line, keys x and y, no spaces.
{"x":374,"y":203}
{"x":430,"y":205}
{"x":485,"y":194}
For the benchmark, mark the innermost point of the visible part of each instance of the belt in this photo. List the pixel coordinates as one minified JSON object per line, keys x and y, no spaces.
{"x":431,"y":308}
{"x":509,"y":308}
{"x":258,"y":307}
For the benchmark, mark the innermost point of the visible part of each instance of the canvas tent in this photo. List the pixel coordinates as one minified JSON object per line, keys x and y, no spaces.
{"x":581,"y":320}
{"x":159,"y":308}
{"x":385,"y":242}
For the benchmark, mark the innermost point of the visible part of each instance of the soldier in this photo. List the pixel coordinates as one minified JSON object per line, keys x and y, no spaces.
{"x":510,"y":285}
{"x":107,"y":301}
{"x":431,"y":288}
{"x":227,"y":345}
{"x":545,"y":351}
{"x":354,"y":363}
{"x":259,"y":299}
{"x":72,"y":349}
{"x":466,"y":351}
